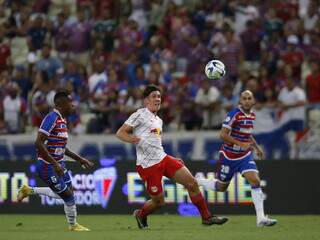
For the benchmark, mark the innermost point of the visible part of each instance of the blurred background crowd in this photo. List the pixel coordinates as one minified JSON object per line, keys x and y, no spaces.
{"x":106,"y":51}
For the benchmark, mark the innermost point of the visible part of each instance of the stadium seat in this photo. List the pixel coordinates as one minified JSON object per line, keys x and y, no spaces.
{"x":211,"y":148}
{"x":168,"y":148}
{"x":4,"y":153}
{"x":117,"y":151}
{"x":90,"y":151}
{"x":185,"y":148}
{"x":24,"y":151}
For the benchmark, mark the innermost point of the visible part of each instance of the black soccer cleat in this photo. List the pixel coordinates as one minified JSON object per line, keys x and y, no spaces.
{"x":142,"y":222}
{"x":214,"y":220}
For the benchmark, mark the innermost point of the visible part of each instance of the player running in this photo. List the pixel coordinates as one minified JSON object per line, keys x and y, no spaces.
{"x":143,"y":128}
{"x":236,"y":155}
{"x":51,"y":147}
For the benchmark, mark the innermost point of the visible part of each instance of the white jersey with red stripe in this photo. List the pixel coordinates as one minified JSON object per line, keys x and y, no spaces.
{"x":148,"y":127}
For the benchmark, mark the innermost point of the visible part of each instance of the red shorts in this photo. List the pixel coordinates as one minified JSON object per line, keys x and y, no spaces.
{"x":152,"y":176}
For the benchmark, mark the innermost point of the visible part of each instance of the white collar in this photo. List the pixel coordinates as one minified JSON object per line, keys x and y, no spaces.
{"x":57,"y":112}
{"x":247,"y":115}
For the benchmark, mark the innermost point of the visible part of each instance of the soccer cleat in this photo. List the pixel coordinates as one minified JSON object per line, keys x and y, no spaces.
{"x":266,"y":222}
{"x":23,"y":192}
{"x":142,"y":222}
{"x":79,"y":228}
{"x":214,"y":220}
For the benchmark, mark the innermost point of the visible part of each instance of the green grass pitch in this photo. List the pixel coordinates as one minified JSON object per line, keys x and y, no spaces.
{"x":166,"y":227}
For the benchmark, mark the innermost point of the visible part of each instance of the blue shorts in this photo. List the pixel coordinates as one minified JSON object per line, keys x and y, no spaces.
{"x":227,"y":168}
{"x":49,"y":176}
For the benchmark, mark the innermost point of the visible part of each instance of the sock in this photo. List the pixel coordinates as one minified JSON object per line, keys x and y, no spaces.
{"x":45,"y":191}
{"x":208,"y":184}
{"x":71,"y":213}
{"x":147,"y":209}
{"x":258,"y":198}
{"x":200,"y":203}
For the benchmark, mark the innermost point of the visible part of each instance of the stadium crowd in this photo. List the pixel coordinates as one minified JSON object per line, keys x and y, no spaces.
{"x":106,"y":51}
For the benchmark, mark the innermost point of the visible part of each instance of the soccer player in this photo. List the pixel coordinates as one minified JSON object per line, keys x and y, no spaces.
{"x":51,"y":150}
{"x":236,"y":155}
{"x":143,"y":128}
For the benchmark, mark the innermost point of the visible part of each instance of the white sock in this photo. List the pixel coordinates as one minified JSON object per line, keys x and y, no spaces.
{"x":45,"y":191}
{"x":71,"y":214}
{"x":258,"y":198}
{"x":208,"y":184}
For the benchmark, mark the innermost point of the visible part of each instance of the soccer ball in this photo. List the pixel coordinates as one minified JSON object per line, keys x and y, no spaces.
{"x":215,"y":70}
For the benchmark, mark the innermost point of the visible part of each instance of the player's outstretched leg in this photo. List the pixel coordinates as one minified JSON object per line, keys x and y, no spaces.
{"x":258,"y":198}
{"x":26,"y":191}
{"x":184,"y":177}
{"x":156,"y":202}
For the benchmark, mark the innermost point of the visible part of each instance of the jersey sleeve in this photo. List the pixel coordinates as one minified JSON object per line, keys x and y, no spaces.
{"x":230,"y":119}
{"x":134,"y":120}
{"x":48,"y":124}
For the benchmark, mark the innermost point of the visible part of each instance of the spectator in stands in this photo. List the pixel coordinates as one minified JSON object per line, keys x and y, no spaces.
{"x":14,"y":110}
{"x":23,"y":80}
{"x":51,"y":65}
{"x":72,"y":75}
{"x":227,"y":100}
{"x":80,"y":38}
{"x":207,"y":100}
{"x":292,"y":101}
{"x":97,"y":85}
{"x":42,"y":97}
{"x":313,"y":83}
{"x":293,"y":56}
{"x":61,"y":36}
{"x":231,"y":53}
{"x":37,"y":33}
{"x":5,"y":52}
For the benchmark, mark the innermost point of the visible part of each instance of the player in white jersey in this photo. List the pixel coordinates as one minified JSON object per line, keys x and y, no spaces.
{"x":143,"y":128}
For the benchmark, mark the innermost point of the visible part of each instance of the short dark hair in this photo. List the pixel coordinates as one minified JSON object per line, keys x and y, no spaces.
{"x":149,"y":89}
{"x":60,"y":94}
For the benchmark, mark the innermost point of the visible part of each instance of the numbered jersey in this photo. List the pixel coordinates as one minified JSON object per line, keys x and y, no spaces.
{"x":241,"y":127}
{"x":55,"y":127}
{"x":148,"y":127}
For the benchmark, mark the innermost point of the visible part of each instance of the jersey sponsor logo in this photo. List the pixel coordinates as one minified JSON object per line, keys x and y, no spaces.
{"x":246,"y":130}
{"x":228,"y":119}
{"x":59,"y":151}
{"x":63,"y":134}
{"x":105,"y":179}
{"x":58,"y":186}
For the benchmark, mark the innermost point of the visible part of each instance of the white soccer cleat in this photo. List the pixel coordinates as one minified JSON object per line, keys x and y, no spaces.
{"x":266,"y":222}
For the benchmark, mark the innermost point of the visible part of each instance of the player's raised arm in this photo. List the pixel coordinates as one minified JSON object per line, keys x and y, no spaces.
{"x":84,"y":162}
{"x":124,"y":133}
{"x":40,"y":145}
{"x":225,"y":136}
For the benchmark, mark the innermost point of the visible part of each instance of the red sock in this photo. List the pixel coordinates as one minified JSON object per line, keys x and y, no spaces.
{"x":146,"y":210}
{"x":200,"y":203}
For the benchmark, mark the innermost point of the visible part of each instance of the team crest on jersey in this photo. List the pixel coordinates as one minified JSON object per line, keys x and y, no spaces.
{"x":154,"y":189}
{"x":156,"y":131}
{"x":63,"y":134}
{"x":105,"y":180}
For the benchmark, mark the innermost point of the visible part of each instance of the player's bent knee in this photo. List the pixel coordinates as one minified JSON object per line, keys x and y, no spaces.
{"x":192,"y":185}
{"x":159,"y":202}
{"x":222,"y":187}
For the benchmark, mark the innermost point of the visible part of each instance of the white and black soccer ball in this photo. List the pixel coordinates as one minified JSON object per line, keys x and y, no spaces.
{"x":215,"y":70}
